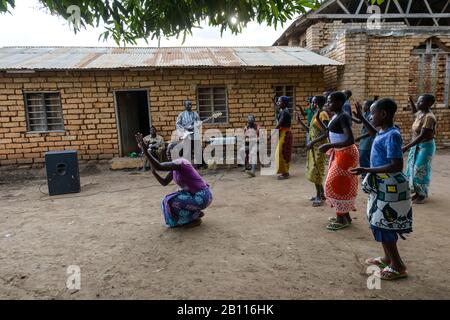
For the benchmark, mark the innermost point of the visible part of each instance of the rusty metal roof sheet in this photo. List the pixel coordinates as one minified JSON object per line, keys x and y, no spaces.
{"x":78,"y":58}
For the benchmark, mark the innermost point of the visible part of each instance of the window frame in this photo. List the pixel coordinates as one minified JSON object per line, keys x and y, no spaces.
{"x":284,"y":93}
{"x":432,"y":48}
{"x":213,"y":111}
{"x":43,"y":93}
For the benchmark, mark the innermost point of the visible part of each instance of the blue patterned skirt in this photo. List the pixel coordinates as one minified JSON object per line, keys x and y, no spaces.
{"x":419,"y":167}
{"x":183,"y":207}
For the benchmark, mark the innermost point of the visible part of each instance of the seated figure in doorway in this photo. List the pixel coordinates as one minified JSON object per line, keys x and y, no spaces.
{"x":156,"y":146}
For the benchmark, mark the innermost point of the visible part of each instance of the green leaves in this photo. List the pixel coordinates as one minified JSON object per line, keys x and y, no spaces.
{"x":378,"y":2}
{"x":129,"y":20}
{"x":5,"y":5}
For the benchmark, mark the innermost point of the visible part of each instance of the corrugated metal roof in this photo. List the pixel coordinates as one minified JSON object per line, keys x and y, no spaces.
{"x":73,"y":58}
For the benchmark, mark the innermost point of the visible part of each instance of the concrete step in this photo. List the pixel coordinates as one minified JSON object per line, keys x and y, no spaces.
{"x":126,"y":163}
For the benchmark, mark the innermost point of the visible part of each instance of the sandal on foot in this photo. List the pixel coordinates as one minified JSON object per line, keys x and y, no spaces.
{"x":378,"y":261}
{"x":313,"y":199}
{"x":337,"y":226}
{"x":334,"y":219}
{"x":317,"y":203}
{"x":283,"y":177}
{"x":391,"y":274}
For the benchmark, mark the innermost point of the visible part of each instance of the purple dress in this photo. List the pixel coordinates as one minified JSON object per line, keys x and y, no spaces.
{"x":183,"y":207}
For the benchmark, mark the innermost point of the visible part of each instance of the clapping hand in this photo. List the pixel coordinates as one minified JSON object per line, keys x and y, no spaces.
{"x":140,"y":141}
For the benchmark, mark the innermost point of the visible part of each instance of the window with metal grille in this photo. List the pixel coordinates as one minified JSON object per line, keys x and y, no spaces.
{"x":211,"y":100}
{"x":430,"y":71}
{"x":288,"y":91}
{"x":44,"y":112}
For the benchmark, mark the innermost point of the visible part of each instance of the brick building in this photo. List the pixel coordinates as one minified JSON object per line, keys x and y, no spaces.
{"x":407,"y":53}
{"x":95,"y":99}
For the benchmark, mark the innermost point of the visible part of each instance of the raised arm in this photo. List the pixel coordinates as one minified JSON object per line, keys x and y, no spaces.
{"x":412,"y":105}
{"x":370,"y":128}
{"x":155,"y":164}
{"x":300,"y":121}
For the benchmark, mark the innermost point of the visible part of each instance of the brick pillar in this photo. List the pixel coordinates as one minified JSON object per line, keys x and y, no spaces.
{"x":353,"y":75}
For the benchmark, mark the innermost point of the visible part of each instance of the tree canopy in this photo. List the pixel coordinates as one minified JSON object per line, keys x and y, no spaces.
{"x":126,"y":21}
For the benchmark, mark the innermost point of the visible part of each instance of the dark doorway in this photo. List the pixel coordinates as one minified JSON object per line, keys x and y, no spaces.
{"x":133,"y":116}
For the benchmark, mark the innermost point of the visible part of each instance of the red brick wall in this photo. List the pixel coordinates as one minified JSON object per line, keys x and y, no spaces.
{"x":87,"y":100}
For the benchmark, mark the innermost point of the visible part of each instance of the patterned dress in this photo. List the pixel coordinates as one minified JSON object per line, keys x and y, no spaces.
{"x":341,"y":187}
{"x":184,"y":206}
{"x":421,"y":155}
{"x":283,"y":151}
{"x":316,"y":160}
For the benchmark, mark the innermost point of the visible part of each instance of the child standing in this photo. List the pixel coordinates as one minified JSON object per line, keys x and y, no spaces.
{"x":251,"y":134}
{"x":389,"y":207}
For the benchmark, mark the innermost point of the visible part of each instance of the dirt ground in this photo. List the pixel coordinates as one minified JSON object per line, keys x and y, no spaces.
{"x":260,"y":239}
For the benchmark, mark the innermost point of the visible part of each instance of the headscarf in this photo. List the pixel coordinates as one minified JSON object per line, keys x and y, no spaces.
{"x":285,"y":100}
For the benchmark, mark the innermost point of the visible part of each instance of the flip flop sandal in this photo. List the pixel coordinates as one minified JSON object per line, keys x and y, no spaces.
{"x":337,"y":226}
{"x":283,"y":177}
{"x":378,"y":261}
{"x":333,"y":220}
{"x":390,"y":274}
{"x":317,"y":203}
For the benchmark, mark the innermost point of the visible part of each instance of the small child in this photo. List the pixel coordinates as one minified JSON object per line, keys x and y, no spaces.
{"x":389,"y":207}
{"x":251,"y":133}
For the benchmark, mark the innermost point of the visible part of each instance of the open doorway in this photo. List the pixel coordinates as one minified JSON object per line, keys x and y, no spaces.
{"x":133,"y":116}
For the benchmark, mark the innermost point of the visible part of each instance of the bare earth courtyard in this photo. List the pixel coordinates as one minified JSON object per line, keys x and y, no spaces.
{"x":260,"y":239}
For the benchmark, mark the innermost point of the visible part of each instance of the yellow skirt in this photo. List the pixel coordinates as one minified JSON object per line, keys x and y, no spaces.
{"x":283,"y":152}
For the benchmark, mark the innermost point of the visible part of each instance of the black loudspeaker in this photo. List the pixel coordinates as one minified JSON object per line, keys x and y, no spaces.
{"x":63,"y":175}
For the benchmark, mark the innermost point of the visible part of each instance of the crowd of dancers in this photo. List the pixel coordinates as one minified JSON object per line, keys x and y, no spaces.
{"x":376,"y":155}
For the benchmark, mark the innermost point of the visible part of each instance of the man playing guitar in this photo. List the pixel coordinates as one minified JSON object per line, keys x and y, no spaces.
{"x":187,"y":126}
